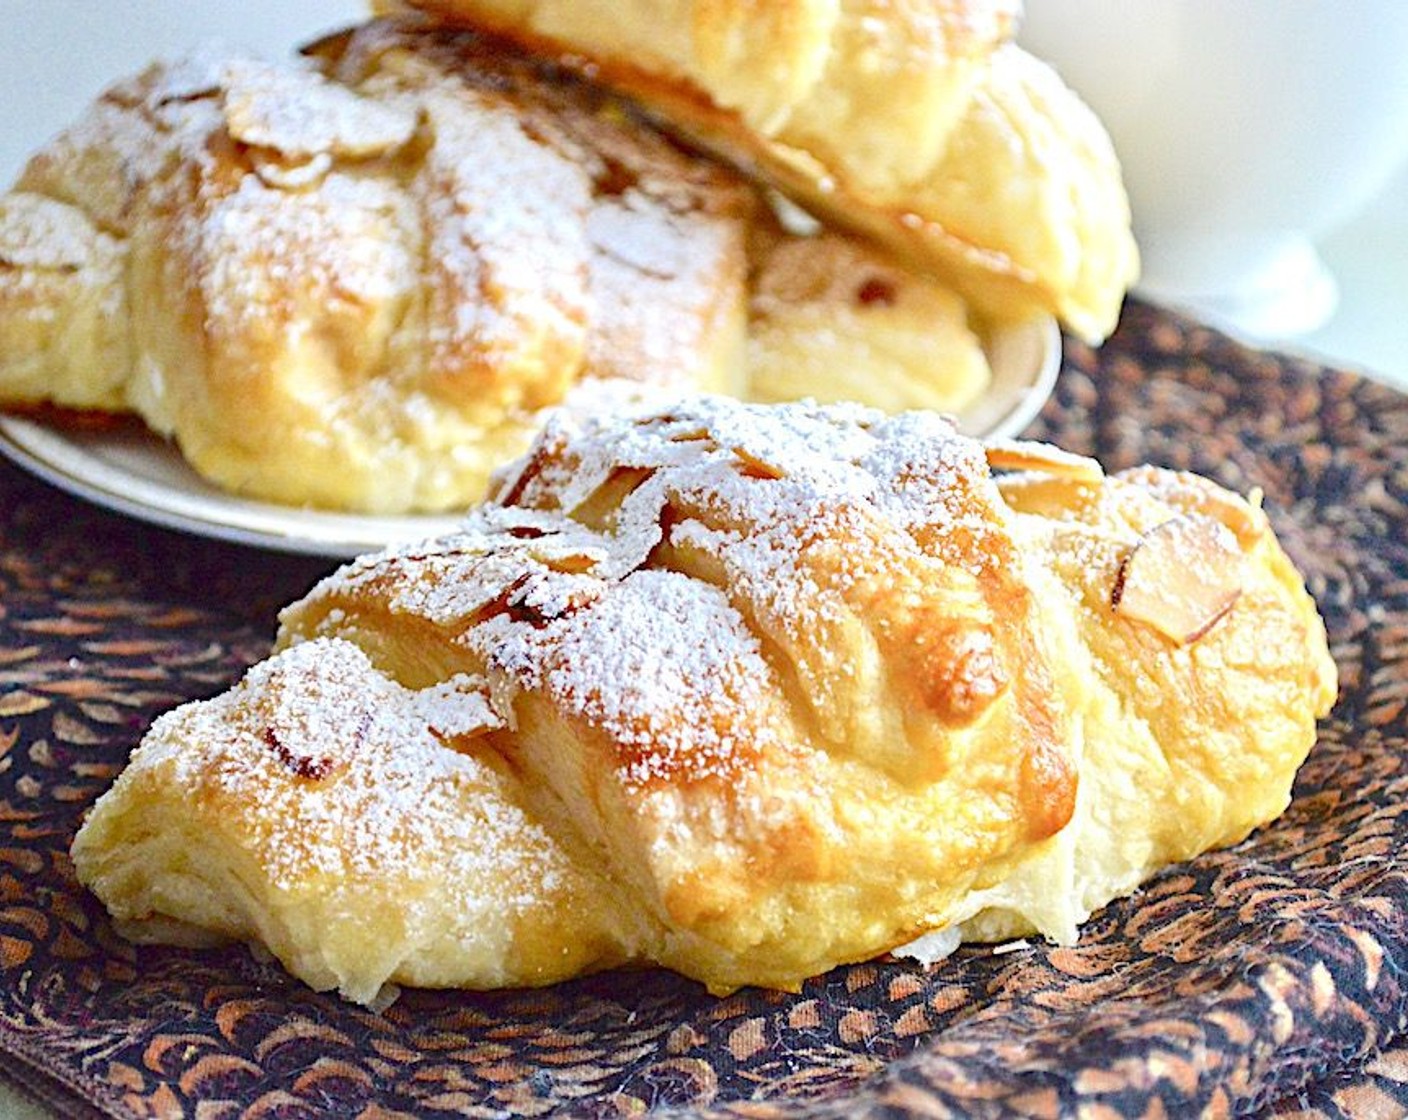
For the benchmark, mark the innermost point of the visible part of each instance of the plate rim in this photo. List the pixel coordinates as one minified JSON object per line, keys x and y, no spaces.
{"x":71,"y":462}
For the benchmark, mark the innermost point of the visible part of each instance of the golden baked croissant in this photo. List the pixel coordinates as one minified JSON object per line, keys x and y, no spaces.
{"x":741,"y":690}
{"x":354,"y":291}
{"x":919,"y":125}
{"x":875,"y":88}
{"x":831,"y":319}
{"x":353,"y":283}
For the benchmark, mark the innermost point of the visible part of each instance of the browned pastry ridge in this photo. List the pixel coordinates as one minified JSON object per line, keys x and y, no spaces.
{"x":745,"y":691}
{"x":352,"y":282}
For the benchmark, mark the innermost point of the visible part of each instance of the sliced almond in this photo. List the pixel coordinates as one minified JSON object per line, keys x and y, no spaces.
{"x":569,"y":563}
{"x":1028,"y":455}
{"x":693,"y":435}
{"x":1194,"y":494}
{"x":512,"y":483}
{"x":300,"y":115}
{"x":755,"y":467}
{"x":459,"y":711}
{"x":285,"y":175}
{"x":1243,"y":516}
{"x":1181,"y":578}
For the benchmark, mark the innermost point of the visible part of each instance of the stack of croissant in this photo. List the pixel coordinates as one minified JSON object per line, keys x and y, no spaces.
{"x":355,"y":280}
{"x":744,"y":689}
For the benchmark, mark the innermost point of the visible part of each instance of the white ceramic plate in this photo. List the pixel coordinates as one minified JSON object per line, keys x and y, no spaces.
{"x":138,"y":474}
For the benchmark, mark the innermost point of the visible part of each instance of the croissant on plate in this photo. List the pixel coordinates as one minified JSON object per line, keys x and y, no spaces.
{"x":353,"y":281}
{"x":745,"y":691}
{"x":920,"y":125}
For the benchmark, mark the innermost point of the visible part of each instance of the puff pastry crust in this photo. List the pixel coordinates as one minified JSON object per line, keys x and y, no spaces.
{"x":874,"y":87}
{"x":919,"y":124}
{"x":354,"y":283}
{"x":745,"y":691}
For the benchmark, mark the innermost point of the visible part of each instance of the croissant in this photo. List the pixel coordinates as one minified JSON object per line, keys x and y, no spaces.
{"x":744,"y":691}
{"x":356,"y":293}
{"x":354,"y":282}
{"x":878,"y":87}
{"x":919,"y":125}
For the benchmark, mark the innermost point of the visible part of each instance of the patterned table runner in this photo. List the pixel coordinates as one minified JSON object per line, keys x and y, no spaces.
{"x":1268,"y":979}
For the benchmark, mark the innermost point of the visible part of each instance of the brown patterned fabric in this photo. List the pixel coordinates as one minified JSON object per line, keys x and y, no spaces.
{"x":1267,"y":980}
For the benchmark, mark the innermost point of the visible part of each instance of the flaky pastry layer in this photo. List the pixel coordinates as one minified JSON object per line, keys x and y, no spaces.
{"x":744,"y":691}
{"x":919,"y":124}
{"x":353,"y":282}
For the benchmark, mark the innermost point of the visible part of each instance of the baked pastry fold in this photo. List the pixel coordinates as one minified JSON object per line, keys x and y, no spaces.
{"x":352,"y":285}
{"x":354,"y":281}
{"x":745,"y":691}
{"x":920,"y":125}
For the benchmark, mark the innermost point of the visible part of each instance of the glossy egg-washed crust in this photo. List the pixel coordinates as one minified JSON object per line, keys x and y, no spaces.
{"x":744,"y":691}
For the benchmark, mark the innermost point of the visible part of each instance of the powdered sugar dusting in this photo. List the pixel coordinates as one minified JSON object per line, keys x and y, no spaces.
{"x":664,"y":663}
{"x":654,"y":276}
{"x":507,"y":234}
{"x":300,"y":113}
{"x":37,"y":232}
{"x":339,"y":772}
{"x":269,"y":262}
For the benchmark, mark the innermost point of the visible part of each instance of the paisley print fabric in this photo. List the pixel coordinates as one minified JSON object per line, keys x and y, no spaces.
{"x":1268,"y":980}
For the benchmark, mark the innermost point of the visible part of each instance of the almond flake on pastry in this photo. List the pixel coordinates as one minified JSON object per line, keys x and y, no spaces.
{"x":743,"y":691}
